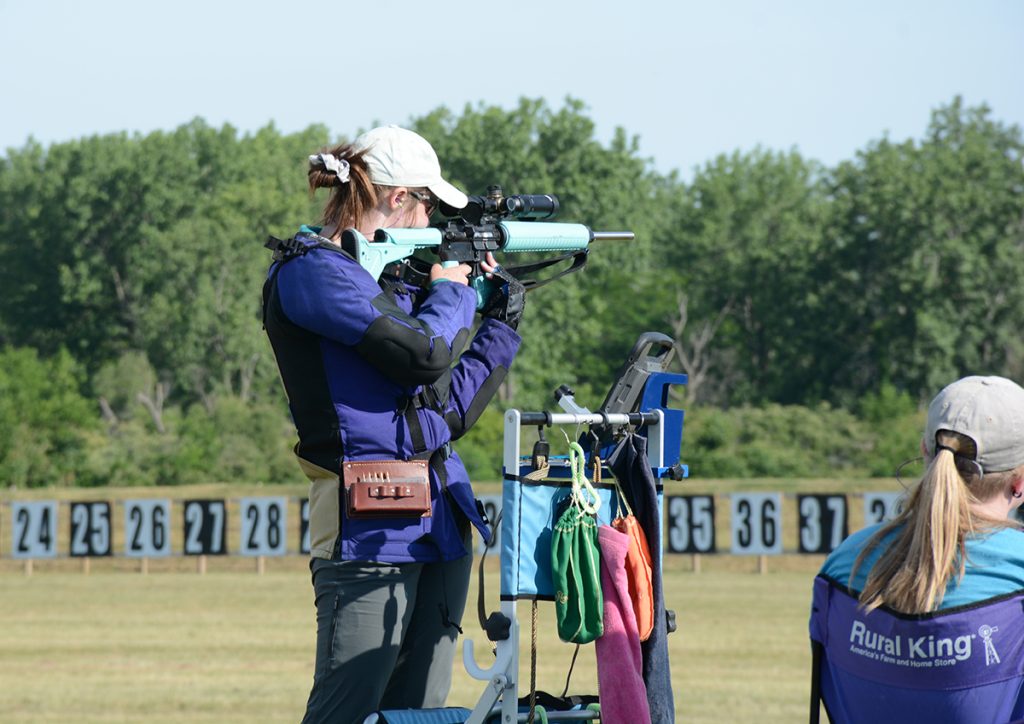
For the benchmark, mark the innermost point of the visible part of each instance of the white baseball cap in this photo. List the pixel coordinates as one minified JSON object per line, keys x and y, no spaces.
{"x":990,"y":411}
{"x":399,"y":157}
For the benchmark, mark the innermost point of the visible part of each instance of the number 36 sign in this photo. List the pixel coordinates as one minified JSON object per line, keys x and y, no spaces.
{"x":756,"y":523}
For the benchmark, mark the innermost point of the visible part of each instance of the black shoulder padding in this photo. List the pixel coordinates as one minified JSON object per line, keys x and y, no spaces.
{"x":459,"y":343}
{"x":487,"y":390}
{"x":404,"y":355}
{"x":386,"y":305}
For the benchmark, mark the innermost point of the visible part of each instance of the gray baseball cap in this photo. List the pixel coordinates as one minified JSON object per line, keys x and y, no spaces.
{"x":990,"y":411}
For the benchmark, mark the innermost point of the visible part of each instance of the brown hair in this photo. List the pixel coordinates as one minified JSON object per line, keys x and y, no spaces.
{"x":349,"y":200}
{"x":930,"y":545}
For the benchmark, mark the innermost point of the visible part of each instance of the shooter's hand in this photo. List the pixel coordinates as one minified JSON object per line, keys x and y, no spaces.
{"x":508,"y":298}
{"x":458,"y":274}
{"x":489,"y":265}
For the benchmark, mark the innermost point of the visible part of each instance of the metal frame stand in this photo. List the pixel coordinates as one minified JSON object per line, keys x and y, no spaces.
{"x":502,"y":676}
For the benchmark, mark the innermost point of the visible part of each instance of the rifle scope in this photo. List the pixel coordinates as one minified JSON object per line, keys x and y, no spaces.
{"x":495,"y":206}
{"x":530,"y":207}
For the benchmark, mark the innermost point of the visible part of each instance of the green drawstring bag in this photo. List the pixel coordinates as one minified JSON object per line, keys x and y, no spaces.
{"x":576,"y":561}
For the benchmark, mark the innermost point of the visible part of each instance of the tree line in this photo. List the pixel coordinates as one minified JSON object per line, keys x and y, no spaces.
{"x":814,"y":308}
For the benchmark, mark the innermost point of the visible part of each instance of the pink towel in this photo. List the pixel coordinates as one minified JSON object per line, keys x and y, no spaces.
{"x":620,"y":681}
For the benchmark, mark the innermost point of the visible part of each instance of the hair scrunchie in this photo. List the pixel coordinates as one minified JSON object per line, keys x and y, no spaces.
{"x":338,"y":166}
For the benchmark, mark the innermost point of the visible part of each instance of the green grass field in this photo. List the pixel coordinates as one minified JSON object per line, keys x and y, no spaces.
{"x":114,"y":645}
{"x":233,"y":646}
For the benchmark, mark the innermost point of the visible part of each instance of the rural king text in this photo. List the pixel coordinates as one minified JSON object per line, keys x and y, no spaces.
{"x":919,"y":647}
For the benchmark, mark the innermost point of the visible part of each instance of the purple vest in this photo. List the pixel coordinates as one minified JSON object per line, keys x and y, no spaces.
{"x":961,"y":664}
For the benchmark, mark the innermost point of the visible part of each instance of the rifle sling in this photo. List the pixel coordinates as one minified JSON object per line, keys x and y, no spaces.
{"x":579,"y":260}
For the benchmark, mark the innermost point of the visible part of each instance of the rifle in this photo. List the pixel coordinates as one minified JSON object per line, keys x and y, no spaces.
{"x":490,"y":223}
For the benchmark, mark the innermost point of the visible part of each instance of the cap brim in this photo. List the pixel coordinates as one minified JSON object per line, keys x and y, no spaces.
{"x":449,"y":194}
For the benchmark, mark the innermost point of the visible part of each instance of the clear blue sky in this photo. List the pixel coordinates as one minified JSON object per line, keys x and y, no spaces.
{"x":691,"y":79}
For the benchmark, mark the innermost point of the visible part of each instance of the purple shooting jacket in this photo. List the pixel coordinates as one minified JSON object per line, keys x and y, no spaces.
{"x":354,"y":355}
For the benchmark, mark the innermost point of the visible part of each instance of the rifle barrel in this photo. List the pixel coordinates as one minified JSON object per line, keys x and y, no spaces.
{"x":613,"y":236}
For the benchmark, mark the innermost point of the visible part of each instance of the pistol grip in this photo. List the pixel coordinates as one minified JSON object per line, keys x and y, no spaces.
{"x":483,"y":287}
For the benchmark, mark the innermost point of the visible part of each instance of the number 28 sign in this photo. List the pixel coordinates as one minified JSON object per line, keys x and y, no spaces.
{"x":263,"y":526}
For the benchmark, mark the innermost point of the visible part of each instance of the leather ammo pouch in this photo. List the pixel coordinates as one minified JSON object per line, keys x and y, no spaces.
{"x":387,"y":488}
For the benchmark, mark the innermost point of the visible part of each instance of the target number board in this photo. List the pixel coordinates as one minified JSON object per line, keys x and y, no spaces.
{"x":147,"y":532}
{"x":34,"y":529}
{"x":263,"y":526}
{"x":822,"y":522}
{"x":756,"y":521}
{"x":691,"y":523}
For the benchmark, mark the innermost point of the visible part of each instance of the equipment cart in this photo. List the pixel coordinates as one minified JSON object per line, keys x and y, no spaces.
{"x":533,"y":488}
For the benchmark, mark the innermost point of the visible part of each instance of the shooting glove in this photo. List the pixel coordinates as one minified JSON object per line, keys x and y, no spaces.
{"x":506,"y":300}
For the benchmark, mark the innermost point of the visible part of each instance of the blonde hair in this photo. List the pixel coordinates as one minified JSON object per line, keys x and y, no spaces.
{"x":350,"y":200}
{"x":930,"y":546}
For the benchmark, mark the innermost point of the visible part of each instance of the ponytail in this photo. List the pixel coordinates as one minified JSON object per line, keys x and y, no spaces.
{"x":929,"y":549}
{"x":353,"y":193}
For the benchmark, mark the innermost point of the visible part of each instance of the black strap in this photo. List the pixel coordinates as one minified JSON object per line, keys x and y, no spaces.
{"x":436,"y":461}
{"x":497,"y":625}
{"x":412,"y":421}
{"x":817,"y":649}
{"x":428,"y":397}
{"x":409,"y":406}
{"x":561,"y":703}
{"x":411,"y":270}
{"x":579,"y":260}
{"x":285,"y":249}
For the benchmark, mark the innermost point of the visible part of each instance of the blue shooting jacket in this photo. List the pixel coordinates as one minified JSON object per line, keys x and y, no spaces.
{"x":357,"y":357}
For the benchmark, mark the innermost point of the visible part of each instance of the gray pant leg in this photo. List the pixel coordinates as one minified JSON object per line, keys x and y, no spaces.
{"x":422,"y":676}
{"x":362,"y":610}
